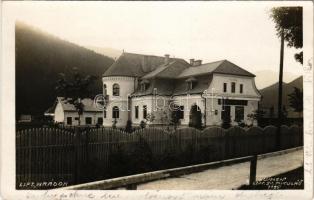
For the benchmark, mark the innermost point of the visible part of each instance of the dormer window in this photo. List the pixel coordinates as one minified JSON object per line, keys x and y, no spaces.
{"x":191,"y":82}
{"x":190,"y":85}
{"x":144,"y":85}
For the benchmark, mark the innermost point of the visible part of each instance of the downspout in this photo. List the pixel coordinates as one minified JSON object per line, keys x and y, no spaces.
{"x":205,"y":109}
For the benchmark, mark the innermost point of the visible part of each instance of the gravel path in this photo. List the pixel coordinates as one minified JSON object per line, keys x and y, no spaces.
{"x":229,"y":177}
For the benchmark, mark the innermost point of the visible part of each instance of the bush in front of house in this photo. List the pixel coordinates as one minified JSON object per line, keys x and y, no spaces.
{"x":142,"y":124}
{"x":226,"y":123}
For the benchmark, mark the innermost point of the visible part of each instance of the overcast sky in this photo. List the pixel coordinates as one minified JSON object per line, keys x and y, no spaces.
{"x":241,"y":33}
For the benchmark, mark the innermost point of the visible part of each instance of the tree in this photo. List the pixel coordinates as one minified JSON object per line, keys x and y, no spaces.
{"x":296,"y":100}
{"x":75,"y":88}
{"x":114,"y":123}
{"x":271,"y":112}
{"x":195,"y":117}
{"x":226,"y":122}
{"x":289,"y":21}
{"x":174,"y":119}
{"x":142,"y":124}
{"x":150,"y":117}
{"x":128,"y":127}
{"x":288,"y":24}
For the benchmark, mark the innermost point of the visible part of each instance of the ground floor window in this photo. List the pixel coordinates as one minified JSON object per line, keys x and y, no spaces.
{"x":144,"y":112}
{"x":105,"y":114}
{"x":181,"y":112}
{"x":69,"y":120}
{"x":115,"y":112}
{"x":136,"y":112}
{"x":100,"y":120}
{"x":239,"y":113}
{"x":88,"y":120}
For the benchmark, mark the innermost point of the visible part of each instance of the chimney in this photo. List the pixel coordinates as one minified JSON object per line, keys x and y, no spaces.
{"x":167,"y":59}
{"x":197,"y":62}
{"x":192,"y":61}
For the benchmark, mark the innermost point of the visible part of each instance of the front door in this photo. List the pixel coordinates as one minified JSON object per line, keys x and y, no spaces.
{"x":225,"y":113}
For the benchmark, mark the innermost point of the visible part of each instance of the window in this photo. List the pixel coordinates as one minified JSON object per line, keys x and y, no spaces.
{"x":180,"y":113}
{"x":69,"y":120}
{"x":88,"y":120}
{"x":233,"y":87}
{"x":239,"y":113}
{"x":105,"y":113}
{"x":136,"y":112}
{"x":100,"y":120}
{"x":144,"y":112}
{"x":241,"y":88}
{"x":225,"y":87}
{"x":116,"y":90}
{"x":144,"y":86}
{"x":232,"y":102}
{"x":115,"y":112}
{"x":105,"y":90}
{"x":190,"y":85}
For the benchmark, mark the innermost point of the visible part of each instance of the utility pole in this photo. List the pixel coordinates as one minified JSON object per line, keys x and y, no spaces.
{"x":278,"y":136}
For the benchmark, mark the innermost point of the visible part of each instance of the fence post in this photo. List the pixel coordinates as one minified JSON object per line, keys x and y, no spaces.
{"x":227,"y":144}
{"x":253,"y":170}
{"x":77,"y":164}
{"x":86,"y":172}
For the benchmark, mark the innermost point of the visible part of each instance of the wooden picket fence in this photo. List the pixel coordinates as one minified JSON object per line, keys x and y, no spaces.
{"x":73,"y":156}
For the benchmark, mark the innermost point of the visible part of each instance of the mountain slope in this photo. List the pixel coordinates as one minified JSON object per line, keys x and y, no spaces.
{"x":106,"y":51}
{"x":40,"y":57}
{"x":270,"y":96}
{"x":265,"y":78}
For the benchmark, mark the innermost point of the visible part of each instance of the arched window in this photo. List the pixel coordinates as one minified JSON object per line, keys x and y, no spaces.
{"x":105,"y":90}
{"x":116,"y":90}
{"x":115,"y":112}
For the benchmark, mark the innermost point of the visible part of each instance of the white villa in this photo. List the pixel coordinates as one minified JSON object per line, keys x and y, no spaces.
{"x":139,"y":86}
{"x":65,"y":113}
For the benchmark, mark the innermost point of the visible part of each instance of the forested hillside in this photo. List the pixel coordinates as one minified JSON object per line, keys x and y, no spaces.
{"x":270,"y":96}
{"x":40,"y":57}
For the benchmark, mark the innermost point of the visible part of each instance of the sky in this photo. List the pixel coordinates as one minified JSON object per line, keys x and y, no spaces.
{"x":242,"y":33}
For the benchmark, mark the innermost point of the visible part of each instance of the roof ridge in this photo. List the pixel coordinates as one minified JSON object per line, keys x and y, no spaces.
{"x":223,"y":60}
{"x":164,"y":66}
{"x":138,"y":54}
{"x":235,"y":65}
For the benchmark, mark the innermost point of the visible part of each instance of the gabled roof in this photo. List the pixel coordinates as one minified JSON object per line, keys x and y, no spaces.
{"x":135,"y":65}
{"x":199,"y":86}
{"x":88,"y":103}
{"x":164,"y":87}
{"x":222,"y":67}
{"x":170,"y":70}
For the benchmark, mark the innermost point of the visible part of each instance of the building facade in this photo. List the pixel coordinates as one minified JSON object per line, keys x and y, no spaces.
{"x":63,"y":112}
{"x":150,"y":88}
